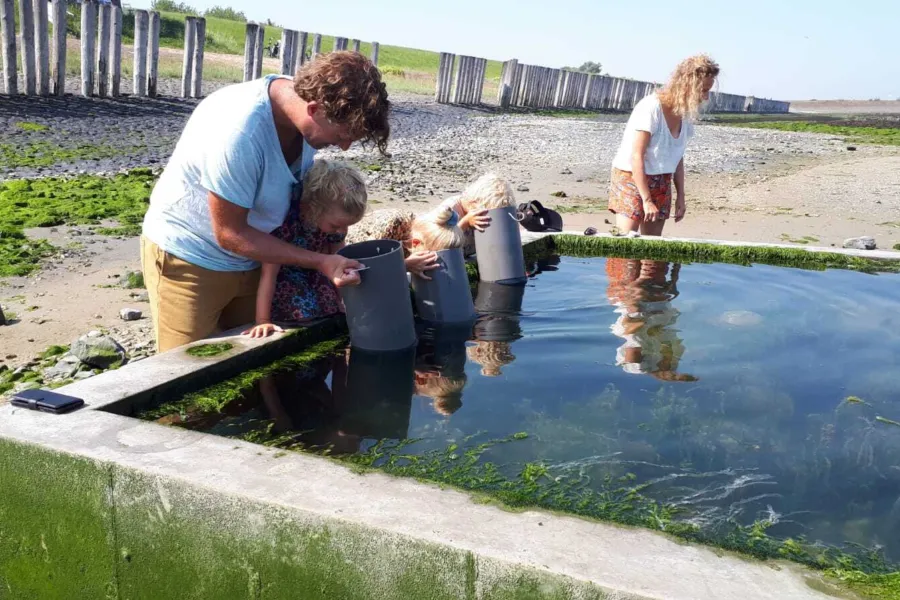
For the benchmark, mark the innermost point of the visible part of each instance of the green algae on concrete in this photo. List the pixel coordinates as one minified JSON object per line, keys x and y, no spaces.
{"x":56,"y":526}
{"x":678,"y":251}
{"x":209,"y":350}
{"x":74,"y":528}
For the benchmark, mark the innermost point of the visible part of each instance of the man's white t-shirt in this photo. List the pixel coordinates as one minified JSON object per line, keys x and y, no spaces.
{"x":229,"y":147}
{"x":665,"y":151}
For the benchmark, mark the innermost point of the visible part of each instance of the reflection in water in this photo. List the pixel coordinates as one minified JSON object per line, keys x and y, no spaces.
{"x":441,"y":366}
{"x":499,"y":309}
{"x":642,"y":293}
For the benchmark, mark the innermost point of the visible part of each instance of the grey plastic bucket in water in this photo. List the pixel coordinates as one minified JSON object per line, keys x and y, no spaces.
{"x":377,"y":393}
{"x":498,"y":248}
{"x":499,"y":310}
{"x":446,"y":298}
{"x":379,"y":309}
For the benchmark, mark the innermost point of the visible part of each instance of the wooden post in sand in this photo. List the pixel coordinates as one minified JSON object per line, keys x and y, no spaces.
{"x":287,"y":51}
{"x":88,"y":43}
{"x":153,"y":54}
{"x":300,"y":49}
{"x":115,"y":48}
{"x":187,"y":65}
{"x":199,"y":50}
{"x":355,"y":45}
{"x":26,"y":43}
{"x":42,"y":35}
{"x":249,"y":50}
{"x":317,"y":45}
{"x":141,"y":29}
{"x":8,"y":41}
{"x":58,"y":87}
{"x":375,"y":48}
{"x":105,"y":14}
{"x":259,"y":47}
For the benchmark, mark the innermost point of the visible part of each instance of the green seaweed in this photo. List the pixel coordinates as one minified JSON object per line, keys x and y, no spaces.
{"x":643,"y":248}
{"x":46,"y":154}
{"x":216,"y":397}
{"x":209,"y":350}
{"x":82,"y":200}
{"x":27,"y":126}
{"x":876,"y":586}
{"x":53,"y":351}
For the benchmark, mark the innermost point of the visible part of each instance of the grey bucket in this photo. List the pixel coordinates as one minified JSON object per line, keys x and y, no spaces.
{"x":378,"y":392}
{"x":446,"y":298}
{"x":379,"y":310}
{"x":499,"y":310}
{"x":498,"y":248}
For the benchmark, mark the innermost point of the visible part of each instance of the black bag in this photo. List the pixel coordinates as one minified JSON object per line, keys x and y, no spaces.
{"x":535,"y":217}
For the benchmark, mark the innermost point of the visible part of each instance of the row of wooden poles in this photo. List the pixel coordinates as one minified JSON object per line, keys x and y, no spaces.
{"x":44,"y":73}
{"x":292,"y":49}
{"x":530,"y":86}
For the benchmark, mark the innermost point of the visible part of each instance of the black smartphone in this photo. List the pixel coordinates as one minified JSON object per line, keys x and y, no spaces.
{"x":46,"y":401}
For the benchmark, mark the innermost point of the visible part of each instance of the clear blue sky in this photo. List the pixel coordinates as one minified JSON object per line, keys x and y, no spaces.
{"x":786,"y":49}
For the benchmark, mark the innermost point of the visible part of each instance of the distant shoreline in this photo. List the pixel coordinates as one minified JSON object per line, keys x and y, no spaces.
{"x":846,"y":106}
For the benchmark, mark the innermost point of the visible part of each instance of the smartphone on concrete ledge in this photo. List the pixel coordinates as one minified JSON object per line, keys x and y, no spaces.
{"x":46,"y":401}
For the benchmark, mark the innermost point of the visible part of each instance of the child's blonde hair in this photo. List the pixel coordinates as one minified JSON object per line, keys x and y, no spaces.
{"x":446,"y":392}
{"x":487,"y":192}
{"x":491,"y":356}
{"x":332,"y":184}
{"x":437,"y":231}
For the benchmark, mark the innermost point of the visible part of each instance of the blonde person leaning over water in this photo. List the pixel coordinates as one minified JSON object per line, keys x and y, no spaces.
{"x":651,"y":155}
{"x":486,"y":193}
{"x":421,"y":235}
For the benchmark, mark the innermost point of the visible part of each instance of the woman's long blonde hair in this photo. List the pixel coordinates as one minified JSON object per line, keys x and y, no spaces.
{"x":684,"y":91}
{"x":487,"y":192}
{"x":435,"y":231}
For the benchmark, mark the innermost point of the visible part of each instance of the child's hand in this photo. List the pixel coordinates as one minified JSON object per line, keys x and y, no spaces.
{"x":419,"y":263}
{"x":263,"y":330}
{"x":477,"y":219}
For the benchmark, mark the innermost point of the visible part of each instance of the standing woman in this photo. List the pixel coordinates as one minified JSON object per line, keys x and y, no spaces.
{"x":652,"y":150}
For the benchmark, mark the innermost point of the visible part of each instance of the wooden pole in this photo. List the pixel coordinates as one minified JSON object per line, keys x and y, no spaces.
{"x":42,"y":33}
{"x":153,"y":54}
{"x":249,"y":50}
{"x":8,"y":40}
{"x":439,"y":82}
{"x":26,"y":43}
{"x":356,"y":45}
{"x":88,"y":39}
{"x":199,"y":52}
{"x":300,"y":50}
{"x":103,"y":50}
{"x":375,"y":48}
{"x":287,"y":49}
{"x":259,"y":47}
{"x":317,"y":45}
{"x":59,"y":48}
{"x":115,"y":49}
{"x":187,"y":64}
{"x":141,"y":27}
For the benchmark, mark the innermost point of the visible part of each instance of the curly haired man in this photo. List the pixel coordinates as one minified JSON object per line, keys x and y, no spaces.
{"x":230,"y":181}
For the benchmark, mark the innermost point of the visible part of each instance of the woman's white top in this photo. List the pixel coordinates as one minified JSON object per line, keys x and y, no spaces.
{"x":665,"y":151}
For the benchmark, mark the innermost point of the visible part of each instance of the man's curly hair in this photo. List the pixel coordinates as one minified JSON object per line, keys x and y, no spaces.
{"x":350,"y":89}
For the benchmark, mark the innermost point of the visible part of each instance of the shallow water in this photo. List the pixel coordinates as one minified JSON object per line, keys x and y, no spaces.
{"x":721,"y":387}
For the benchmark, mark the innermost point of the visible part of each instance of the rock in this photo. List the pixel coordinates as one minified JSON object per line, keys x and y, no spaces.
{"x":565,"y":171}
{"x":84,"y":375}
{"x":99,"y":351}
{"x":65,"y":368}
{"x":130,"y":314}
{"x":851,"y":148}
{"x":140,"y":296}
{"x":860,"y":243}
{"x":522,"y":188}
{"x":27,"y":385}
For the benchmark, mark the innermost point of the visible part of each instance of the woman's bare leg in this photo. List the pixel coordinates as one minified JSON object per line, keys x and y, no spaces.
{"x":625,"y":223}
{"x":654,"y":228}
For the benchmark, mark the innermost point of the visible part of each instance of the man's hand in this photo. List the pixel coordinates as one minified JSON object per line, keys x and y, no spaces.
{"x":340,"y":270}
{"x":419,"y":263}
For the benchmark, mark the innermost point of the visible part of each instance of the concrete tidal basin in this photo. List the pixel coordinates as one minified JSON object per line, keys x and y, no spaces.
{"x":97,"y":504}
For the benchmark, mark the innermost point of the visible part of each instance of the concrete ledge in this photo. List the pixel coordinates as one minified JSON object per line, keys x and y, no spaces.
{"x":158,"y":512}
{"x":528,"y":237}
{"x":174,"y":373}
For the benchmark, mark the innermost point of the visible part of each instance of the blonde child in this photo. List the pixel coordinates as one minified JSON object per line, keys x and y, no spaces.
{"x":486,"y":193}
{"x":333,"y":198}
{"x":422,"y":235}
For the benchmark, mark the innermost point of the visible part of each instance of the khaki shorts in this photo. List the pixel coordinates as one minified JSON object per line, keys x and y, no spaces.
{"x":189,"y":303}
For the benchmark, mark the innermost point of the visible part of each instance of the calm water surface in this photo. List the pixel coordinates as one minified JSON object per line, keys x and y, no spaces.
{"x":724,"y":387}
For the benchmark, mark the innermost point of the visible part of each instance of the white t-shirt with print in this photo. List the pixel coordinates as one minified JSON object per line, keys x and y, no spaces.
{"x":665,"y":151}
